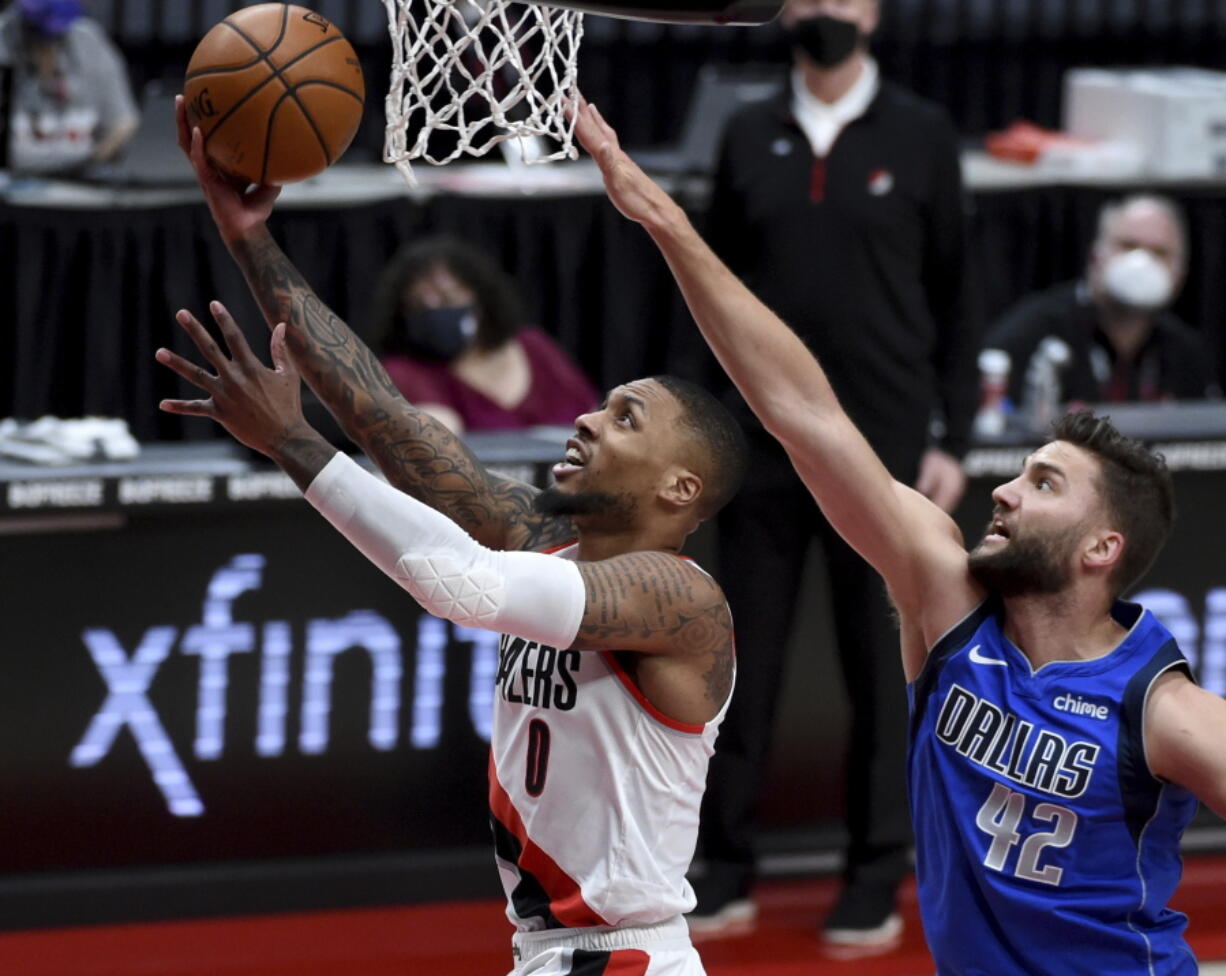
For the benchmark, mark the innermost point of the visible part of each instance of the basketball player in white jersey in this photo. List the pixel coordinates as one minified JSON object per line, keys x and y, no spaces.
{"x":616,"y":664}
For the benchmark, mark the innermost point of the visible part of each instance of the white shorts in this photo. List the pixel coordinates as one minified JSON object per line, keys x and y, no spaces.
{"x":663,"y":949}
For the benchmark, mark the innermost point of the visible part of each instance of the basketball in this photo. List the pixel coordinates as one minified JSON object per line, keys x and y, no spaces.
{"x":277,"y":92}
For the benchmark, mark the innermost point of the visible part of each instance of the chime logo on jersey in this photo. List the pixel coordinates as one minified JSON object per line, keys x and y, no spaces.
{"x":1076,"y":705}
{"x":1000,"y":741}
{"x":537,"y":674}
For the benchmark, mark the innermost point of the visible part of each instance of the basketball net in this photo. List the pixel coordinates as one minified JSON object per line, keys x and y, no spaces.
{"x":483,"y":71}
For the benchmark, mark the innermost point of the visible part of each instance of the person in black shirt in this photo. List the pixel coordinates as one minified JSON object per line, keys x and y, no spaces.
{"x":840,"y":204}
{"x":1123,"y":342}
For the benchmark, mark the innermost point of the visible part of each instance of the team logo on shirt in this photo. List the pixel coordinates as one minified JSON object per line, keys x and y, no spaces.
{"x":978,"y":658}
{"x":1021,"y":751}
{"x":536,"y":674}
{"x":1076,"y":705}
{"x":880,"y":182}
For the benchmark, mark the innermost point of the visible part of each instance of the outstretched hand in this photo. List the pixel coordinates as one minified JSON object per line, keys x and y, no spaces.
{"x":260,"y":407}
{"x":632,"y":191}
{"x":236,"y":208}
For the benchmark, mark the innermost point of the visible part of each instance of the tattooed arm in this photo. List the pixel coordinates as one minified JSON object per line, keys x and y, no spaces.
{"x":415,"y":453}
{"x":675,"y":615}
{"x":653,"y":603}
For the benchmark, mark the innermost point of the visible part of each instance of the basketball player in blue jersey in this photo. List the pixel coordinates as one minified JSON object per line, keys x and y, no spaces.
{"x":1057,"y":742}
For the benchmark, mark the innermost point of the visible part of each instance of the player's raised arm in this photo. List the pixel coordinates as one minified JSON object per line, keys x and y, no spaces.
{"x":652,"y":602}
{"x":415,"y":452}
{"x":896,"y":529}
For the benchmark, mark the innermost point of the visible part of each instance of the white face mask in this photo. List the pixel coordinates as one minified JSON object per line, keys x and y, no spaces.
{"x":1139,"y":280}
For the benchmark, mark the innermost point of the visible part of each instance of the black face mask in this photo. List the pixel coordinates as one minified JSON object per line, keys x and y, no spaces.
{"x":827,"y":40}
{"x":438,"y":333}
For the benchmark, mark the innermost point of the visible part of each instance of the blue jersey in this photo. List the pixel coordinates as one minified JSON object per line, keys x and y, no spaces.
{"x":1044,"y":844}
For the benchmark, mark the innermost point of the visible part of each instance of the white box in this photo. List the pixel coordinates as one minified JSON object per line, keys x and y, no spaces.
{"x":1176,"y":116}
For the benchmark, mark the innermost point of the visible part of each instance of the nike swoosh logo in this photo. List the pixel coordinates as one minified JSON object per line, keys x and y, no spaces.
{"x":978,"y":658}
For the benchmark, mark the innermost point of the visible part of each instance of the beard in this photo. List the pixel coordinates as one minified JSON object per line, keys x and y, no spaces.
{"x":1026,"y":566}
{"x":580,"y":504}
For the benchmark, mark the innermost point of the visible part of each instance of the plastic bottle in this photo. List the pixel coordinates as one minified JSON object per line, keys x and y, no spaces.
{"x":994,"y":405}
{"x":1044,"y":390}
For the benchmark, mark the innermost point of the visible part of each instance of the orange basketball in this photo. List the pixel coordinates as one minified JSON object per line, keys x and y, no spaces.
{"x":277,"y":92}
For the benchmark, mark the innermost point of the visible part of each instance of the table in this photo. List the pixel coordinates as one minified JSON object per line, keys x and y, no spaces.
{"x":98,"y":271}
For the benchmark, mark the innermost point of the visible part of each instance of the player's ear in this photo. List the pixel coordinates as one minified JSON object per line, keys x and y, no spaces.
{"x":682,"y":488}
{"x":1104,"y":551}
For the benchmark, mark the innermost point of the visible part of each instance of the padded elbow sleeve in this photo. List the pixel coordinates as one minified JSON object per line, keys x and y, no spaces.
{"x":527,"y":594}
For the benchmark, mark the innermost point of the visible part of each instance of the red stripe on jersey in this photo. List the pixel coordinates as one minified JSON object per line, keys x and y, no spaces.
{"x":565,"y":899}
{"x":627,"y":962}
{"x":610,"y":658}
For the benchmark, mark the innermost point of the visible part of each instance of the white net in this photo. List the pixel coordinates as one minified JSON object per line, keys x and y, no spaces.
{"x":470,"y":74}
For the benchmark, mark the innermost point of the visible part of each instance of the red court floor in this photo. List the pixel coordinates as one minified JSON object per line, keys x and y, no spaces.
{"x":471,"y":939}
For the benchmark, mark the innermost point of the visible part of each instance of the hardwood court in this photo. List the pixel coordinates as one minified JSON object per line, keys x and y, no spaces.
{"x":472,"y":939}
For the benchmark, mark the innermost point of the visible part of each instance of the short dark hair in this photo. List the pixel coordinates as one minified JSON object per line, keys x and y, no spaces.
{"x":499,"y":308}
{"x":1135,"y":486}
{"x":719,"y":437}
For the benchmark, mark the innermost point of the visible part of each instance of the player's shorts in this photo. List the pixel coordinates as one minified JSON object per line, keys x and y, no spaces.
{"x":663,"y":949}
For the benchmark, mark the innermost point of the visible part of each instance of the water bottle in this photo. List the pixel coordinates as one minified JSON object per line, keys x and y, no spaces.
{"x":1044,"y":390}
{"x":994,"y":404}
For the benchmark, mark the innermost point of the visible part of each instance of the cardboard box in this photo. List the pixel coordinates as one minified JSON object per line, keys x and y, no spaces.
{"x":1176,"y":116}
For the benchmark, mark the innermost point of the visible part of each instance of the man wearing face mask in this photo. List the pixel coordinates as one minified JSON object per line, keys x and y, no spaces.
{"x":839,"y":202}
{"x":453,"y":339}
{"x":1124,"y":342}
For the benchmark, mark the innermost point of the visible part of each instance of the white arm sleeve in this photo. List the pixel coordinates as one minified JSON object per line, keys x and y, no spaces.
{"x":526,"y":594}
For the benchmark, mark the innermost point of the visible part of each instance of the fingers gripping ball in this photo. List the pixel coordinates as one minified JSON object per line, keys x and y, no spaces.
{"x":277,"y":92}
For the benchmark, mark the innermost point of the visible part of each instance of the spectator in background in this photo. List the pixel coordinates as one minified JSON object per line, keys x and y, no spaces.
{"x":840,"y":204}
{"x":1123,"y":341}
{"x":451,"y":330}
{"x":71,"y":101}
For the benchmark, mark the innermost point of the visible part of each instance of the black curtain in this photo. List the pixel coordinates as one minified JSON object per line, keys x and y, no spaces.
{"x":93,"y":293}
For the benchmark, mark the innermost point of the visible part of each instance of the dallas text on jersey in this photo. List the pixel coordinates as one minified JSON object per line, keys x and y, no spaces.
{"x":1000,"y":741}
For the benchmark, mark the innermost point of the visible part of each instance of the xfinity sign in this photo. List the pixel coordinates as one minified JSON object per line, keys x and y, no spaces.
{"x":129,"y":673}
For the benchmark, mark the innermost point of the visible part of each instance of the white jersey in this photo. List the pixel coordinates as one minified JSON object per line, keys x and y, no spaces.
{"x":594,"y":793}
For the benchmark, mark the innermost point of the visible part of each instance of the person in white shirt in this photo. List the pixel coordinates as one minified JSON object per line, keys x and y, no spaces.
{"x":71,"y":102}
